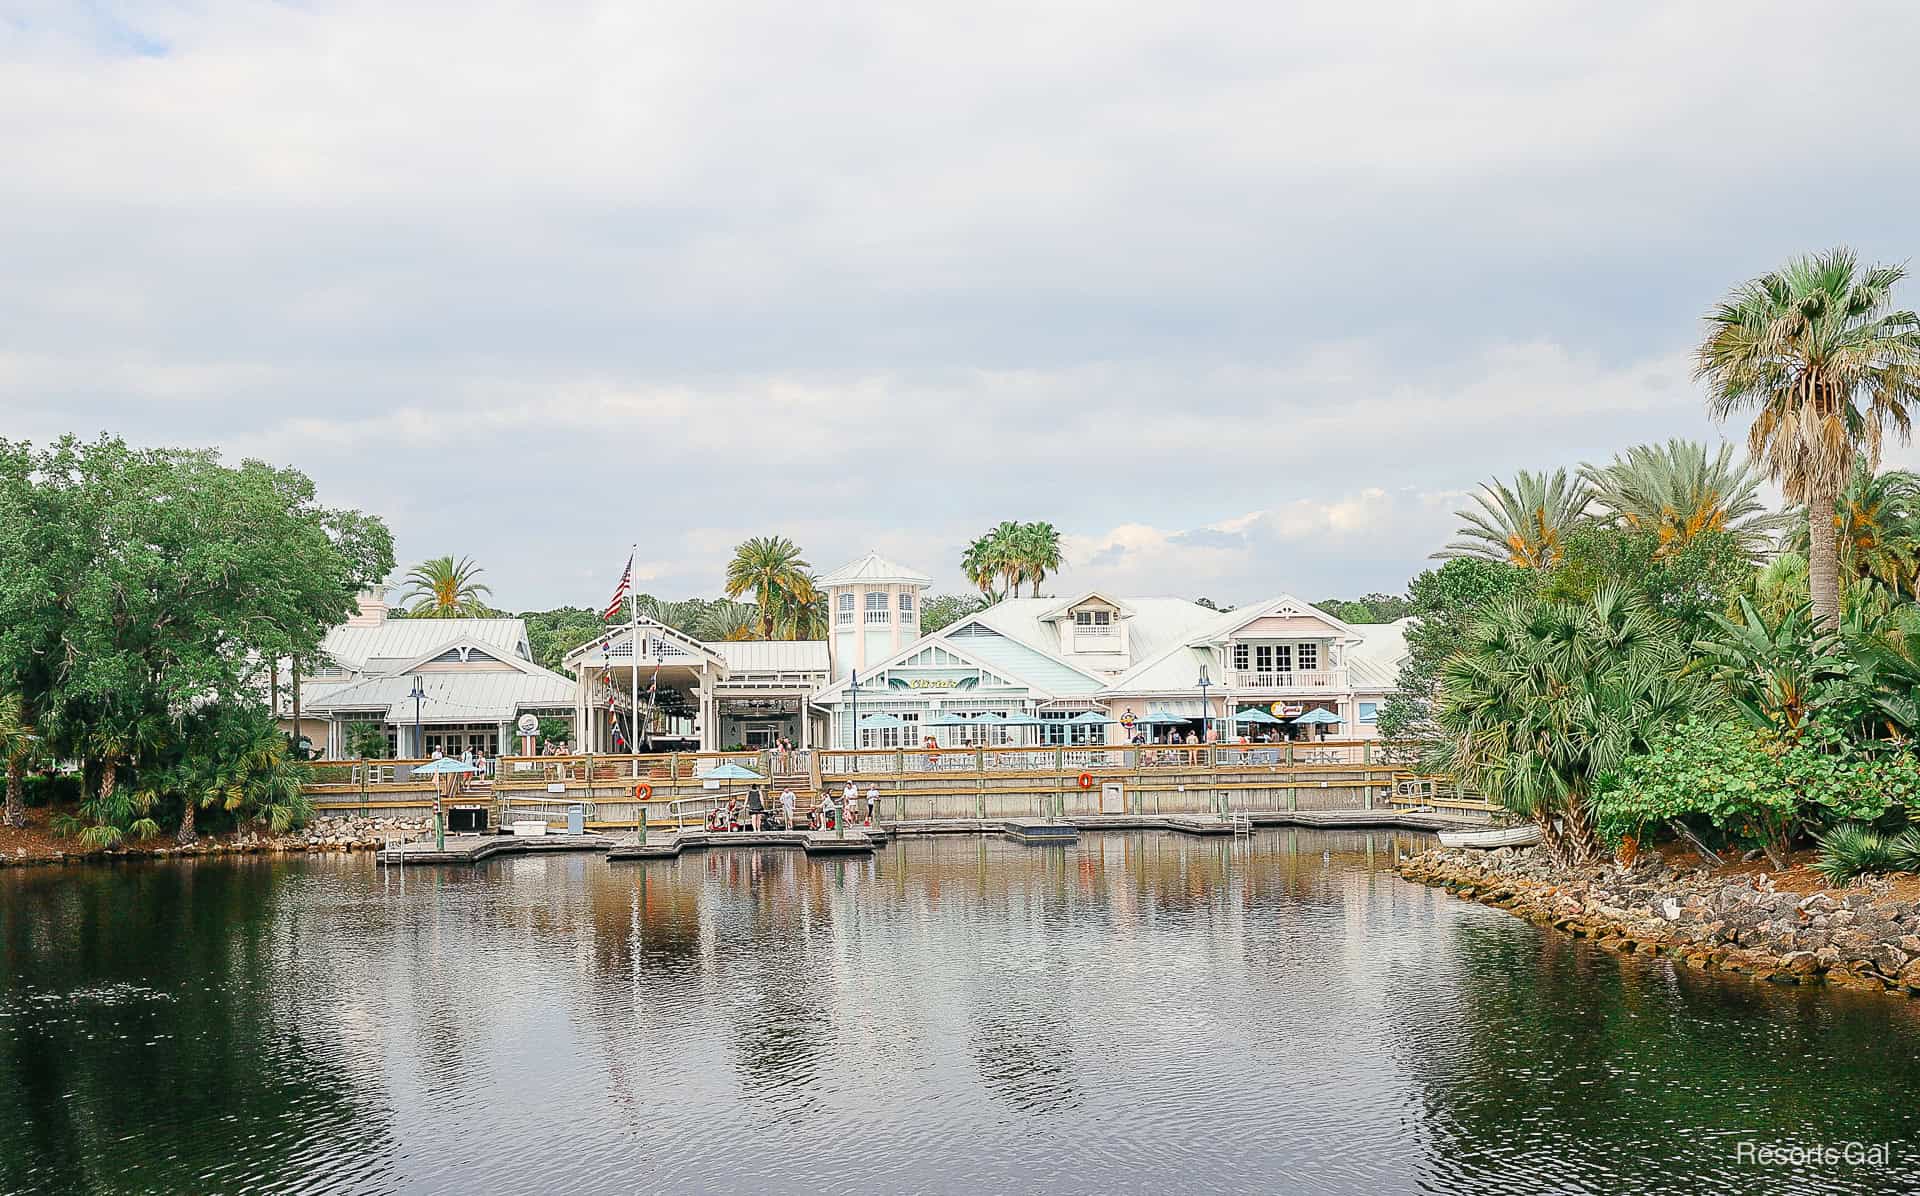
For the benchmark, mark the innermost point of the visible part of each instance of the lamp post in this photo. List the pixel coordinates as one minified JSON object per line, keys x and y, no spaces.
{"x":1205,"y":722}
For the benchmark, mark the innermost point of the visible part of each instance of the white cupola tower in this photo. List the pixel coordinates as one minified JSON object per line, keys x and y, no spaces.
{"x":873,"y":611}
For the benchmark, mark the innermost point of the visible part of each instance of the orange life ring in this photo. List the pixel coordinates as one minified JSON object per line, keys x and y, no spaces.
{"x":1086,"y":780}
{"x":643,"y":791}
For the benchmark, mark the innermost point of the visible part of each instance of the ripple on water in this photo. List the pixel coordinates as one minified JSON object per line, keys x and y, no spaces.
{"x":1131,"y":1014}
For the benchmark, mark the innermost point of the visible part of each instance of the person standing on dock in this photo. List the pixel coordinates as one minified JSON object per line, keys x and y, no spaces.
{"x":848,"y":798}
{"x":756,"y":807}
{"x":873,"y":803}
{"x":786,"y":808}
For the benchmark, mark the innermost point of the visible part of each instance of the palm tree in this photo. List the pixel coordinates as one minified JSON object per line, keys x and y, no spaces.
{"x":1039,"y":545}
{"x":978,"y":563}
{"x":1677,"y":491}
{"x":1781,"y":585}
{"x":1003,"y":547}
{"x":1814,"y":349}
{"x":802,"y":614}
{"x":1545,"y":698}
{"x":770,"y":566}
{"x":729,"y":620}
{"x":1525,"y":525}
{"x":445,"y":589}
{"x":1876,"y":523}
{"x":18,"y":745}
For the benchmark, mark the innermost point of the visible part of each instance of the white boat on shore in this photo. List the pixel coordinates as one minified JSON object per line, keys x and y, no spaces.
{"x":1512,"y":836}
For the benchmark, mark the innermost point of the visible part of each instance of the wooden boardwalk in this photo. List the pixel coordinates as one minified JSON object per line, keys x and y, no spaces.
{"x":857,"y":841}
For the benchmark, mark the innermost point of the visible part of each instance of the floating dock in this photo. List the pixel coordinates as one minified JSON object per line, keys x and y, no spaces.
{"x":1035,"y":830}
{"x":471,"y":849}
{"x":859,"y":841}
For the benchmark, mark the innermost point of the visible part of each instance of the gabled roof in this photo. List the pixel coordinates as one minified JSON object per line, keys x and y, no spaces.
{"x":491,"y":651}
{"x":1154,"y":625}
{"x":874,"y":569}
{"x":1064,"y":608}
{"x":979,"y":654}
{"x":1177,"y":666}
{"x":380,"y":646}
{"x":1282,"y":604}
{"x":623,"y":633}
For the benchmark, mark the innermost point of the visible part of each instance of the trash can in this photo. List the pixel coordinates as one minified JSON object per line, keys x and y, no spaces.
{"x":576,"y":819}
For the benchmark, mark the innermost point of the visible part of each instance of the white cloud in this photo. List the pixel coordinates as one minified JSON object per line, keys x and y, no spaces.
{"x":534,"y":281}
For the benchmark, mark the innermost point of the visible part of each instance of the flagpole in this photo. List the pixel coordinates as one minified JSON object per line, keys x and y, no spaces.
{"x":633,"y":677}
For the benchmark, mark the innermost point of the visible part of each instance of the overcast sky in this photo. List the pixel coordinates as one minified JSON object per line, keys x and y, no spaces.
{"x":1242,"y":297}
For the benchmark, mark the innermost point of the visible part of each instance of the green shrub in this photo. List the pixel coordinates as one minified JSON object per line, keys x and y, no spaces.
{"x":1760,"y":788}
{"x":1904,"y":850}
{"x":59,"y":790}
{"x":1850,"y":850}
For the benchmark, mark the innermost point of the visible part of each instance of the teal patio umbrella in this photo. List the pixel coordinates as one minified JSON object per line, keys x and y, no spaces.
{"x":1257,"y":715}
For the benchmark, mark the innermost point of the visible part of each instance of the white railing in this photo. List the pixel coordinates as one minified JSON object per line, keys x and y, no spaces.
{"x":1289,"y":678}
{"x":880,"y":616}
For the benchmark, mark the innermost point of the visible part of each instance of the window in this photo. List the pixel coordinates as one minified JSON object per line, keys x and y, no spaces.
{"x":1053,"y":730}
{"x":877,"y":607}
{"x":1094,"y":625}
{"x":1309,"y":657}
{"x":846,"y":608}
{"x":1369,"y":712}
{"x":1242,"y":654}
{"x":1273,"y":658}
{"x":906,"y":604}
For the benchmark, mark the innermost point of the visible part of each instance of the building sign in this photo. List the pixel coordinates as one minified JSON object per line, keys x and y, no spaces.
{"x":1282,"y":710}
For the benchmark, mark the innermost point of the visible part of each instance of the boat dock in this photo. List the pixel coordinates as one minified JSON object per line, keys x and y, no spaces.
{"x":472,"y":849}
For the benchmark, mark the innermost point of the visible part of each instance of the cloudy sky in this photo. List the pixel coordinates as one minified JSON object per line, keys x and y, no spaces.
{"x":1243,"y":297}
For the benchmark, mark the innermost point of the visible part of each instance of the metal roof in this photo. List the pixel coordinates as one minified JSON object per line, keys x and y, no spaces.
{"x":401,"y":640}
{"x":772,"y":656}
{"x":496,"y":697}
{"x":877,"y":570}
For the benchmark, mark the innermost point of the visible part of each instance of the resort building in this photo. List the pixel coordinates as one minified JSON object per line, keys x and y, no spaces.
{"x":1094,"y":668}
{"x":473,"y":679}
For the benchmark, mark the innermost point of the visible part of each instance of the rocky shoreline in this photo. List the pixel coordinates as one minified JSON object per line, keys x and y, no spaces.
{"x":321,"y":835}
{"x":1858,"y":938}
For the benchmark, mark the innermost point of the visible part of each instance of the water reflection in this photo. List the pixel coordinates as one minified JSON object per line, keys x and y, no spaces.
{"x":1269,"y":1013}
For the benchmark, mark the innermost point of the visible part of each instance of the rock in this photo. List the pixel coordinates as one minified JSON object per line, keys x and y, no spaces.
{"x":1802,"y":963}
{"x":1670,"y":910}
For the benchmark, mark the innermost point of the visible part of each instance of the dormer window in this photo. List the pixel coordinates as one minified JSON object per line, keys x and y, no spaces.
{"x":1092,"y":624}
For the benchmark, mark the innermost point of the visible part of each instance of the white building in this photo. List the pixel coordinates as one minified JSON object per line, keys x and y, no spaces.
{"x":475,"y":677}
{"x":1039,"y":662}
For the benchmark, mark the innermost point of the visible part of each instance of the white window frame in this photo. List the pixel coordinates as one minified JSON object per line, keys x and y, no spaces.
{"x":877,"y":611}
{"x":906,"y":603}
{"x":1366,"y":712}
{"x":1308,"y":654}
{"x":1243,"y":657}
{"x":844,"y":609}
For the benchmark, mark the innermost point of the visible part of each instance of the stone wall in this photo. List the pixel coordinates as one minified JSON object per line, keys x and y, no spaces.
{"x":355,"y":833}
{"x":1738,"y":923}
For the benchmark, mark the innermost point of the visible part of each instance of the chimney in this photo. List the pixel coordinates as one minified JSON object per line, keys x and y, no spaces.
{"x":373,"y":608}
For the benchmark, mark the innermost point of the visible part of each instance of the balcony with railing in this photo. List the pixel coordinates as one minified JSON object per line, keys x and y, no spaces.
{"x":1288,"y":678}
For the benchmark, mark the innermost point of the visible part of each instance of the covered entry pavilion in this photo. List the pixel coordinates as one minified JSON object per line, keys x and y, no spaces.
{"x":749,"y":690}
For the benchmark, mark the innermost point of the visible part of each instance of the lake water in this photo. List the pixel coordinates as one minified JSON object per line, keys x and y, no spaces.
{"x":1136,"y":1013}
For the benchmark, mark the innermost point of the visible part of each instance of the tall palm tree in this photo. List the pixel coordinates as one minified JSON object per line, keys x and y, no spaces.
{"x":1524,"y":525}
{"x":978,"y":563}
{"x":1545,"y":698}
{"x":1039,"y":545}
{"x":18,"y":745}
{"x":803,"y":610}
{"x":444,"y":588}
{"x":1816,"y":351}
{"x":1677,"y":491}
{"x":770,"y":566}
{"x":1004,"y":547}
{"x":1876,"y":522}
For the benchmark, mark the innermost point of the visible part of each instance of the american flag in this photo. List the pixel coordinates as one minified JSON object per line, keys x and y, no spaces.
{"x":620,"y":591}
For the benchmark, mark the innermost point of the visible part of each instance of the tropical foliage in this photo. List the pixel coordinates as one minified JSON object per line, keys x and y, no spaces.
{"x":444,"y":588}
{"x":1000,"y":561}
{"x":1755,"y":788}
{"x":1876,"y":524}
{"x":1679,"y":493}
{"x":1545,"y":698}
{"x":1524,"y":524}
{"x":1816,"y":351}
{"x":773,"y":569}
